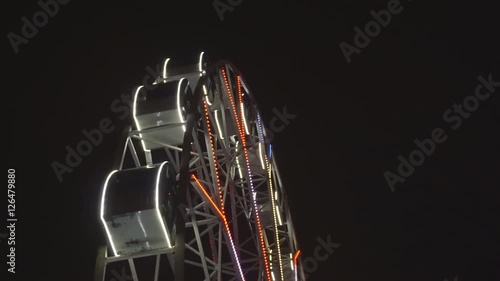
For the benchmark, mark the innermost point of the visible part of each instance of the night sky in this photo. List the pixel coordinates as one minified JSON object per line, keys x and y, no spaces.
{"x":352,"y":121}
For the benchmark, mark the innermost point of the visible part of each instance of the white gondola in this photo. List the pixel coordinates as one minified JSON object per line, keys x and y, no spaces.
{"x":137,"y":209}
{"x":160,"y":114}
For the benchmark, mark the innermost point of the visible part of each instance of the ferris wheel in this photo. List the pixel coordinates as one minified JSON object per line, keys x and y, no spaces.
{"x":196,"y":193}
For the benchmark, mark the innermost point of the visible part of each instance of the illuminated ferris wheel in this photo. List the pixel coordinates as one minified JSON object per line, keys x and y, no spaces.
{"x":196,"y":193}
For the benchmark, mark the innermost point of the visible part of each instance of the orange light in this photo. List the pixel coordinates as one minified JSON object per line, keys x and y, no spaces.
{"x":208,"y":197}
{"x":231,"y":99}
{"x":214,"y":156}
{"x":243,"y":140}
{"x":223,"y":217}
{"x":296,"y":256}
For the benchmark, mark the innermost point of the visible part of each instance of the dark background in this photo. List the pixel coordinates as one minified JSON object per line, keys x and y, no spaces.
{"x":353,"y":120}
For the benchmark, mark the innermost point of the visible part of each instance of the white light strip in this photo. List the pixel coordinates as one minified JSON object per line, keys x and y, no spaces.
{"x":200,"y":61}
{"x":291,"y":262}
{"x":260,"y":156}
{"x":296,"y":269}
{"x":102,"y":212}
{"x":238,"y":161}
{"x":275,"y":210}
{"x":296,"y":275}
{"x":262,"y":133}
{"x":179,"y":103}
{"x":158,"y":205}
{"x":244,"y":117}
{"x":134,"y":113}
{"x":280,"y":222}
{"x":234,"y":251}
{"x":218,"y":125}
{"x":277,"y":221}
{"x":165,"y":68}
{"x":206,"y":95}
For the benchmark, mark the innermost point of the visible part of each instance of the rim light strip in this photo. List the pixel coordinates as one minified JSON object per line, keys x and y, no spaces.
{"x":272,"y":194}
{"x":243,"y":139}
